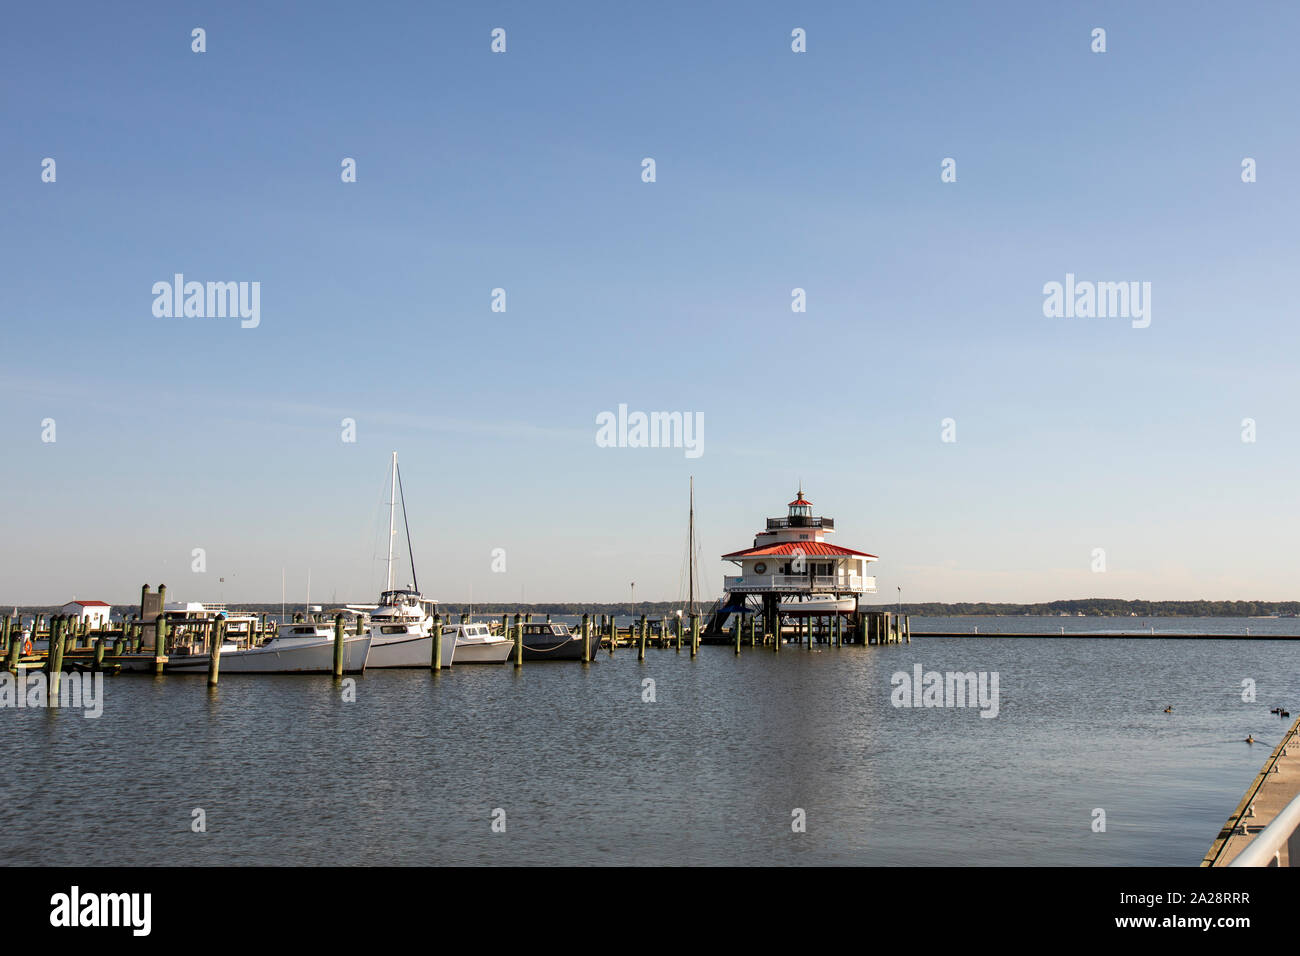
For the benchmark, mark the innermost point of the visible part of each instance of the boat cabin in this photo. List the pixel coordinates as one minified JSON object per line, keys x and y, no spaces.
{"x":547,"y":627}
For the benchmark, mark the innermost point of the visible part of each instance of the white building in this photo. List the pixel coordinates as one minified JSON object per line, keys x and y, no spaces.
{"x":793,"y":571}
{"x":96,"y":612}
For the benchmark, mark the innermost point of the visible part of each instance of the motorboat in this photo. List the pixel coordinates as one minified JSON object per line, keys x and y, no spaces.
{"x":547,"y":641}
{"x":301,"y":648}
{"x":817,"y":604}
{"x":476,"y":644}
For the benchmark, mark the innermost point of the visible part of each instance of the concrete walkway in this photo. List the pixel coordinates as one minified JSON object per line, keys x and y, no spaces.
{"x":1272,"y":789}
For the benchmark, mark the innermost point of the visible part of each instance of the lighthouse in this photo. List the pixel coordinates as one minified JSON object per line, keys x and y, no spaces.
{"x":792,"y":571}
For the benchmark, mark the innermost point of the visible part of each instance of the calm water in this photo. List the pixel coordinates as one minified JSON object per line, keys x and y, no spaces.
{"x":410,"y":773}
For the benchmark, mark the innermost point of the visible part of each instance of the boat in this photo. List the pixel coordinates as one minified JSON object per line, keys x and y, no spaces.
{"x":296,"y":649}
{"x":401,"y":626}
{"x":188,"y":620}
{"x":549,"y":641}
{"x":476,"y":644}
{"x":800,"y":605}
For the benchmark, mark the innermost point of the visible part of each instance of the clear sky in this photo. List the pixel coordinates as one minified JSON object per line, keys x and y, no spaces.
{"x":523,"y":171}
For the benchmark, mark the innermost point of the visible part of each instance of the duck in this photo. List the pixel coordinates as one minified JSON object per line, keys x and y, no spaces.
{"x":1169,"y":709}
{"x":1250,"y":739}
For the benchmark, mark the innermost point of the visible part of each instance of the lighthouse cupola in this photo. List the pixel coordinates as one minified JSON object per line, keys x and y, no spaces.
{"x":801,"y":507}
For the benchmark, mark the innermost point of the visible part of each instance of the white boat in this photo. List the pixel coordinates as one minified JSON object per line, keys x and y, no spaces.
{"x":475,"y":644}
{"x":401,"y":631}
{"x":818,"y":605}
{"x":296,"y":649}
{"x":401,"y":627}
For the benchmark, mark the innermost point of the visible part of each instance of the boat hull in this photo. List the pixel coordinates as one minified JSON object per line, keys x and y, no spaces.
{"x":407,"y":650}
{"x":820,"y":606}
{"x":315,"y":657}
{"x":558,"y":649}
{"x":483,"y":652}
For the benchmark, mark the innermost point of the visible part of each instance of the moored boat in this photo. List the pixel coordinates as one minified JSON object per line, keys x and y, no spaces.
{"x":401,"y":625}
{"x":547,"y":641}
{"x":476,"y":644}
{"x":794,"y":605}
{"x":296,"y":649}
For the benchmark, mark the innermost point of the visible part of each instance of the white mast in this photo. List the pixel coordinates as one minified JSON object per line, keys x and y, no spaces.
{"x":392,"y":528}
{"x":690,"y":545}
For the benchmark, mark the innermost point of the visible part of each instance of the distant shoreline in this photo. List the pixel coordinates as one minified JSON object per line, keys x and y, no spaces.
{"x":1090,"y":608}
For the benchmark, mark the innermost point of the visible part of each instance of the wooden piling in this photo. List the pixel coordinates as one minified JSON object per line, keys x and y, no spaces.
{"x":678,"y":628}
{"x":613,"y":635}
{"x":99,"y":654}
{"x":15,"y":650}
{"x":586,"y":638}
{"x":695,"y":633}
{"x":519,"y":646}
{"x":739,"y":624}
{"x":55,"y":660}
{"x":435,"y":664}
{"x":907,"y":626}
{"x":159,"y":643}
{"x":641,"y":653}
{"x":339,"y":636}
{"x":4,"y":633}
{"x":217,"y":638}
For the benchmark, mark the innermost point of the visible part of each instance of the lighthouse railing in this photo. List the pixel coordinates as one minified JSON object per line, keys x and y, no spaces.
{"x":796,"y":583}
{"x":800,"y":521}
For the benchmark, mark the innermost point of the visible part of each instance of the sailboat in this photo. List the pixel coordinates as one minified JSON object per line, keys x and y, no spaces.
{"x":401,"y":627}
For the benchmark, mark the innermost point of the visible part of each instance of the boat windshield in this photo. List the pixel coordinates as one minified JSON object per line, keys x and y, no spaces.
{"x":400,"y":599}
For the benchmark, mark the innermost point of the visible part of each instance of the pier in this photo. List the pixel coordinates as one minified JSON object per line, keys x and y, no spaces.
{"x":1274,"y":795}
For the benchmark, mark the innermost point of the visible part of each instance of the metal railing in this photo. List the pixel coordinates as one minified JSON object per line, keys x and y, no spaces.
{"x":1265,"y":849}
{"x":800,"y":521}
{"x":799,"y":582}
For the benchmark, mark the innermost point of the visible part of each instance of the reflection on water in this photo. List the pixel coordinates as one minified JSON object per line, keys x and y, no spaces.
{"x":287,"y":772}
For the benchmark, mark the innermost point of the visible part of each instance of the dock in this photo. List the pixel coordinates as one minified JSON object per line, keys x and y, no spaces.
{"x":1274,"y":788}
{"x":1123,"y":635}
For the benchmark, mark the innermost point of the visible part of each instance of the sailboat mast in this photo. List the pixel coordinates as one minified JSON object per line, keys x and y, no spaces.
{"x":691,"y":547}
{"x":406,"y":523}
{"x":392,"y":528}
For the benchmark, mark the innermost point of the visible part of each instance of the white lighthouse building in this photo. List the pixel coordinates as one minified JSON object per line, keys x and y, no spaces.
{"x":792,"y":570}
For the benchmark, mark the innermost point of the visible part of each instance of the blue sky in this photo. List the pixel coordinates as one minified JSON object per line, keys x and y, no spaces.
{"x":522,"y":171}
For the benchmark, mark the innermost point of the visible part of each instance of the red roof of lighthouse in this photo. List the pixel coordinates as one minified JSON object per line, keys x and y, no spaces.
{"x":801,"y":500}
{"x":809,"y":548}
